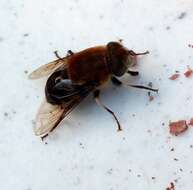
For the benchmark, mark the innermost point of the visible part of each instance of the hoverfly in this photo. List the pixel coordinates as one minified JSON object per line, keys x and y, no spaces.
{"x":76,"y":75}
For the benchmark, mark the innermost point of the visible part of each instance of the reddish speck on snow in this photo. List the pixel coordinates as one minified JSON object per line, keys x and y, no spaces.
{"x":151,"y":98}
{"x":172,"y":187}
{"x":178,"y":127}
{"x":174,"y":76}
{"x":188,"y":73}
{"x":191,"y":122}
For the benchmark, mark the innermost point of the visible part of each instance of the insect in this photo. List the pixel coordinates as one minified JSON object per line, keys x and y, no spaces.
{"x":75,"y":76}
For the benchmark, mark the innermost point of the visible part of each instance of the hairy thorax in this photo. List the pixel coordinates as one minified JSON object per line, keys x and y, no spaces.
{"x":89,"y":65}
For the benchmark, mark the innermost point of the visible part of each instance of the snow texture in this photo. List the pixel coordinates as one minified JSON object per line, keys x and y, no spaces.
{"x":86,"y":151}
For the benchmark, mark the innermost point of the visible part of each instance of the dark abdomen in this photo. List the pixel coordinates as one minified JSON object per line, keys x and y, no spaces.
{"x":89,"y":65}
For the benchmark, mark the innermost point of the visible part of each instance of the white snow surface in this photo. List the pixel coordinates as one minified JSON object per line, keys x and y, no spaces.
{"x":86,"y":151}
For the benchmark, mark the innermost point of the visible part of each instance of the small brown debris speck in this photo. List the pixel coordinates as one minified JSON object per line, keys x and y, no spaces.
{"x":172,"y":149}
{"x":151,"y":98}
{"x":81,"y":145}
{"x":174,"y":76}
{"x":150,"y":84}
{"x":26,"y":35}
{"x":190,"y":45}
{"x":151,"y":28}
{"x":110,"y":171}
{"x":101,"y":16}
{"x":178,"y":127}
{"x":176,"y":180}
{"x":149,"y":131}
{"x":182,"y":15}
{"x":6,"y":114}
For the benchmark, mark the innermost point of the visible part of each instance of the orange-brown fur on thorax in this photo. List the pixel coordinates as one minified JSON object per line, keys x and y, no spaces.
{"x":89,"y":65}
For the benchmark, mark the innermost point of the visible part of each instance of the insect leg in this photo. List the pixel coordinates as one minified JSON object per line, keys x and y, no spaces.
{"x":133,"y":73}
{"x":43,"y":137}
{"x":131,"y":52}
{"x":70,"y":52}
{"x":96,"y":97}
{"x":116,"y":81}
{"x":57,"y":55}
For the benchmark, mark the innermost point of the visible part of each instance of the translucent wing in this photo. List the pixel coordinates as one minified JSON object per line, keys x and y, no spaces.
{"x":48,"y":68}
{"x":49,"y":116}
